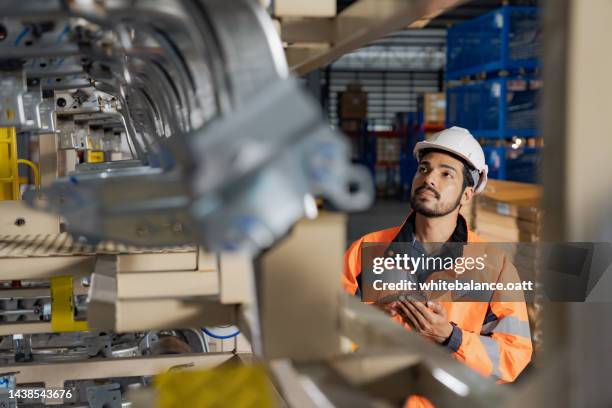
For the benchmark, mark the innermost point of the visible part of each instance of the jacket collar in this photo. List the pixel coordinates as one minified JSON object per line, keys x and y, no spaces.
{"x":406,"y":231}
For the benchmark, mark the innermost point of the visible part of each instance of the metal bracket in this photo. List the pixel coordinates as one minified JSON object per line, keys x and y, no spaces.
{"x":12,"y":88}
{"x":31,"y":108}
{"x":104,"y":396}
{"x":47,"y":116}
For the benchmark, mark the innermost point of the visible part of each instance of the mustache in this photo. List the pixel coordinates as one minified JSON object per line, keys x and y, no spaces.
{"x":426,"y":187}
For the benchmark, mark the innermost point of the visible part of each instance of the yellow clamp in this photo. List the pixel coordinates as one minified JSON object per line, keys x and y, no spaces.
{"x":94,"y":156}
{"x":226,"y":386}
{"x":62,"y":306}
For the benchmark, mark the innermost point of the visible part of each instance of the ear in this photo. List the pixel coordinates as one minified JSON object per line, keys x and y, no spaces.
{"x":467,"y":195}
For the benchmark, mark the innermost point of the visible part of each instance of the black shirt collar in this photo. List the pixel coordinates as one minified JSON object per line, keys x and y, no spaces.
{"x":406,"y":233}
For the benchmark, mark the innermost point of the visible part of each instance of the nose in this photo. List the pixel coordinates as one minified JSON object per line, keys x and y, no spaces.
{"x":429,"y":179}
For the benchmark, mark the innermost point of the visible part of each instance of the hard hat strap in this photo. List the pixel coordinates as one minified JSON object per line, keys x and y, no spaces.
{"x":475,"y":176}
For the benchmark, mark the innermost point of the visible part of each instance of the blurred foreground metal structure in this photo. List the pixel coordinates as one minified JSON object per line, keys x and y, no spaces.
{"x":227,"y":152}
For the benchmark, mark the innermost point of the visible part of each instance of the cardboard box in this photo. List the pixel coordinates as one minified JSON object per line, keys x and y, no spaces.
{"x":503,"y":221}
{"x":524,"y":209}
{"x":300,"y":290}
{"x":16,"y":218}
{"x":48,"y":163}
{"x":496,"y":233}
{"x":298,"y":8}
{"x":351,"y":125}
{"x":512,"y":191}
{"x":353,"y":105}
{"x":509,"y":212}
{"x":125,"y":301}
{"x":123,"y":316}
{"x":433,"y":106}
{"x":529,"y":227}
{"x":388,"y":149}
{"x":157,"y":262}
{"x":493,"y":238}
{"x":528,"y":237}
{"x":235,"y":278}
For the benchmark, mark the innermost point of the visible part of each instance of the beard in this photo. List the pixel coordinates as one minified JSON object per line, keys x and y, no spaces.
{"x":437,"y":210}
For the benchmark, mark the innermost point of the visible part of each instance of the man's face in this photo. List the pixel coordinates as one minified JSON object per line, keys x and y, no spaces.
{"x":437,"y":187}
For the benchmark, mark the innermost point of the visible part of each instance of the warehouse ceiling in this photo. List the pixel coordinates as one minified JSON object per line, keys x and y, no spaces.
{"x":419,"y":46}
{"x":395,"y":68}
{"x":311,"y":43}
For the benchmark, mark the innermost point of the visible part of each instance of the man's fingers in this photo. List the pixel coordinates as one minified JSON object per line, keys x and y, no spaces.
{"x":427,"y":314}
{"x":423,"y":322}
{"x":400,"y":306}
{"x":436,"y":307}
{"x":388,"y":308}
{"x":391,"y":311}
{"x":407,"y":314}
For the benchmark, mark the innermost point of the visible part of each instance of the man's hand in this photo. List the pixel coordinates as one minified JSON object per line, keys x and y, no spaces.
{"x":430,"y":320}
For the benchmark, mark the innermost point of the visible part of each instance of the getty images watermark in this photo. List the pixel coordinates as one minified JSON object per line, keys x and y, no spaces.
{"x":461,"y":264}
{"x":483,"y":272}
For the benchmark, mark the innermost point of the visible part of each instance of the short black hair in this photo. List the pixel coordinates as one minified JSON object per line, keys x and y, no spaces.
{"x":468,"y":181}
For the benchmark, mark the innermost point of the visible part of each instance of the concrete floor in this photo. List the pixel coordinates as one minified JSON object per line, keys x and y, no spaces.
{"x":383,"y":214}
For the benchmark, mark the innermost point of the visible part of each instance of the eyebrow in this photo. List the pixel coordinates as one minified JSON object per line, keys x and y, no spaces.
{"x":447,"y":166}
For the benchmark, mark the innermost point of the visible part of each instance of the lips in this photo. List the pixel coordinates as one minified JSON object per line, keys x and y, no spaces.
{"x":426,"y":192}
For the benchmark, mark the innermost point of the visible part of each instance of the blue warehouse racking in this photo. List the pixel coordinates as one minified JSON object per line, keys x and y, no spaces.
{"x":498,"y":108}
{"x":504,"y":39}
{"x":493,"y":88}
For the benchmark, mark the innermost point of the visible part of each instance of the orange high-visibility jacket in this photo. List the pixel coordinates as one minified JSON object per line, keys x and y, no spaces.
{"x":495,"y":336}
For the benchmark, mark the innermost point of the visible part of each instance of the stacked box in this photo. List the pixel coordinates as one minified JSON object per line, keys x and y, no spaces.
{"x":388,"y":149}
{"x":433,"y":106}
{"x":351,"y":125}
{"x":509,"y":212}
{"x":353,"y":104}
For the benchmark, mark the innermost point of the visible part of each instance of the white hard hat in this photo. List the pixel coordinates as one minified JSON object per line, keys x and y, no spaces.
{"x":460,"y":142}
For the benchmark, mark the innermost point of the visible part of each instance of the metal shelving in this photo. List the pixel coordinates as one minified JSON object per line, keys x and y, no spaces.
{"x":505,"y":39}
{"x":497,"y":108}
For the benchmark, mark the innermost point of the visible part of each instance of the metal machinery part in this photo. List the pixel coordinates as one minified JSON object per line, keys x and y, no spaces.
{"x":232,"y":151}
{"x":79,"y":346}
{"x":196,"y":89}
{"x":226,"y":151}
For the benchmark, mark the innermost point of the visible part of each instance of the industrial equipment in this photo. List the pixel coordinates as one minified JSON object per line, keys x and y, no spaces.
{"x":185,"y":165}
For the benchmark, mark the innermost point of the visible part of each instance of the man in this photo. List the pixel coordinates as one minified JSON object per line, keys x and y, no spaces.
{"x":492,"y":337}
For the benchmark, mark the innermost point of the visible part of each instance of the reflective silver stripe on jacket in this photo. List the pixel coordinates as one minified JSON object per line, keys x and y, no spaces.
{"x":492,"y":349}
{"x":507,"y":325}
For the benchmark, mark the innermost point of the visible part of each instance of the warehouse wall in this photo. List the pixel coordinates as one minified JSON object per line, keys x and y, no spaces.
{"x":392,"y":70}
{"x":388,"y":92}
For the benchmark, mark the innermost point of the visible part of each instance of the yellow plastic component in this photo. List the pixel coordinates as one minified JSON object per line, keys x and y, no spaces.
{"x":92,"y":156}
{"x":62,"y":306}
{"x":34,"y":168}
{"x":9,"y":177}
{"x":227,"y":386}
